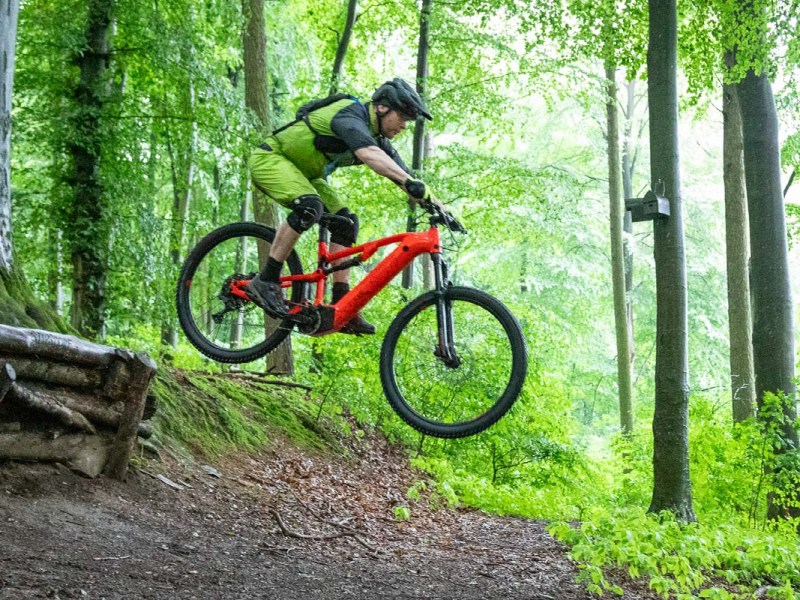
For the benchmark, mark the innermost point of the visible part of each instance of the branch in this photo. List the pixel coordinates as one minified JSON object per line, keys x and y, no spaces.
{"x":261,"y":376}
{"x":789,"y":183}
{"x":302,"y":536}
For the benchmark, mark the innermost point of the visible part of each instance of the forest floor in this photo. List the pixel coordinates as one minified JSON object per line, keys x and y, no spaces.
{"x":242,"y":528}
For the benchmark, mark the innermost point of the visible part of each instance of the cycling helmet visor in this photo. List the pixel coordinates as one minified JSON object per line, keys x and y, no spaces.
{"x":400,"y":96}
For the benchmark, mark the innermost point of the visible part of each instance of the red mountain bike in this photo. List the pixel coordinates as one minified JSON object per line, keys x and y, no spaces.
{"x":453,"y":361}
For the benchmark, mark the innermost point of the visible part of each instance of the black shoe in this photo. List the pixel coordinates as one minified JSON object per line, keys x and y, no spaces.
{"x":267,"y":295}
{"x":358,"y":325}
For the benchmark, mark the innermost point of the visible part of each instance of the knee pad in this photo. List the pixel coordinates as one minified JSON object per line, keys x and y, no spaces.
{"x":342,"y":233}
{"x":306,"y":211}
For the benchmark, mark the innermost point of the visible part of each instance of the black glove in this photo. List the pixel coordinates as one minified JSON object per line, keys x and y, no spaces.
{"x":418,"y":190}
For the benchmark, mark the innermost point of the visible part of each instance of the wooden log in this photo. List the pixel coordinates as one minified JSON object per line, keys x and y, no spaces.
{"x":110,"y":381}
{"x":142,"y":369}
{"x":116,"y":379}
{"x":56,"y":373}
{"x":48,"y":405}
{"x":146,"y":430}
{"x":54,"y":346}
{"x":7,"y":378}
{"x":89,"y":405}
{"x":88,"y":402}
{"x":84,"y":453}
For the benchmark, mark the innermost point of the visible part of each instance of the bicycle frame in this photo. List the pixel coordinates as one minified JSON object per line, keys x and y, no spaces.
{"x":409,"y":246}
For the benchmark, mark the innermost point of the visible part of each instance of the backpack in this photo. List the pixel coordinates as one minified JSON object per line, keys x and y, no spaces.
{"x":309,"y":107}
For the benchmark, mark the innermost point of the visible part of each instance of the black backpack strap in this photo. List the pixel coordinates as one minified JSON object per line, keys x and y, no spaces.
{"x":285,"y":127}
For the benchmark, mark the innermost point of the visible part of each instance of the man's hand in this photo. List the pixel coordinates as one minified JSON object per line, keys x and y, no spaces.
{"x":418,"y":190}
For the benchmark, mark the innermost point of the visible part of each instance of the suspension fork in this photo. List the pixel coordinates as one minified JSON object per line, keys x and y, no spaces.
{"x":446,"y":347}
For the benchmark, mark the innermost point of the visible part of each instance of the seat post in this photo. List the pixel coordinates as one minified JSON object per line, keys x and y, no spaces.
{"x":323,"y":236}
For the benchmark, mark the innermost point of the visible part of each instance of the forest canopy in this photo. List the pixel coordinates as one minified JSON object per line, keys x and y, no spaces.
{"x":131,"y":126}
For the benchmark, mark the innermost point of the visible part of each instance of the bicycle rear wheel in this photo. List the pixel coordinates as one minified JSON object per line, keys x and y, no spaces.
{"x":461,"y":397}
{"x":218,"y":323}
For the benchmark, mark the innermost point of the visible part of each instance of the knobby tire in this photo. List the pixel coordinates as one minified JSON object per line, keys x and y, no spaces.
{"x":461,"y":385}
{"x":187,"y":318}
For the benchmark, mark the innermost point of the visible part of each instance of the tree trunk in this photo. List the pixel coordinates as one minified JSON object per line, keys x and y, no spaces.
{"x":344,"y":42}
{"x":617,"y":254}
{"x":737,"y":244}
{"x":672,"y":489}
{"x":183,"y":172}
{"x":628,"y":164}
{"x":17,"y":304}
{"x":9,"y":12}
{"x":237,"y":328}
{"x":87,"y":231}
{"x":56,"y":269}
{"x":418,"y":154}
{"x":280,"y":360}
{"x":422,"y":82}
{"x":773,"y":326}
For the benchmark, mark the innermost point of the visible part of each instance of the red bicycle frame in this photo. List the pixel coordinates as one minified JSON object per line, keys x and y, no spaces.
{"x":409,"y":246}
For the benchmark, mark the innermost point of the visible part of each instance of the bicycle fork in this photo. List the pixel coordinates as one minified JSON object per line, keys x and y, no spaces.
{"x":446,"y":345}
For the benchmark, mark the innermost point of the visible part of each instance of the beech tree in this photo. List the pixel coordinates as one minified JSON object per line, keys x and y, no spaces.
{"x":773,"y":325}
{"x":672,"y":488}
{"x":257,"y":100}
{"x":616,"y":211}
{"x":9,"y":12}
{"x":181,"y":141}
{"x":344,"y":42}
{"x":87,"y":233}
{"x":737,"y":242}
{"x":420,"y":136}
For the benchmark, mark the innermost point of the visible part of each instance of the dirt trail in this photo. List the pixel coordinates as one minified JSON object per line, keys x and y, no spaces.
{"x":229,"y":533}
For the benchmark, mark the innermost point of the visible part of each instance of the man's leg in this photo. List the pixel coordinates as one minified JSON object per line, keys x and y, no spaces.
{"x":285,"y":239}
{"x":282,"y":181}
{"x":344,"y":275}
{"x":344,"y":237}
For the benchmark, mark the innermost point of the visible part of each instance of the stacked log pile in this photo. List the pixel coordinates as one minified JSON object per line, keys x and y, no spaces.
{"x":68,"y":400}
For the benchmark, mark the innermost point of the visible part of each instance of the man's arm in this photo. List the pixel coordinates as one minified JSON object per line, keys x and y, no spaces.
{"x":380,"y":162}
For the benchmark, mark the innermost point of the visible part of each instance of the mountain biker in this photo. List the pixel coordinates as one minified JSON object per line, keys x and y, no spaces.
{"x":292,"y":169}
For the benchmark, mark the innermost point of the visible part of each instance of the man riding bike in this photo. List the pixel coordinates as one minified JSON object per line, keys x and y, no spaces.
{"x":292,"y":169}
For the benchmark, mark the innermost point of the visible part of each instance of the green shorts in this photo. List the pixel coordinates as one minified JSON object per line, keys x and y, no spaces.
{"x":280,"y":179}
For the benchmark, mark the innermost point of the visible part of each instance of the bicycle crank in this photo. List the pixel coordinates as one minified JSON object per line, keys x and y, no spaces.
{"x":313,"y":320}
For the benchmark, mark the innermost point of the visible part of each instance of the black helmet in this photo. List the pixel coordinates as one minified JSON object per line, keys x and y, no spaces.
{"x":397,"y":94}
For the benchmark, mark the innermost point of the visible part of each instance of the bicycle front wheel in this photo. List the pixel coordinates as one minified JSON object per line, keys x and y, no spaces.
{"x":222,"y":325}
{"x":467,"y":392}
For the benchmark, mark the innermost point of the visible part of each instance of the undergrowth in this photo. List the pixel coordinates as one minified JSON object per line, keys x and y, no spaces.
{"x":213,"y":413}
{"x":539,"y":463}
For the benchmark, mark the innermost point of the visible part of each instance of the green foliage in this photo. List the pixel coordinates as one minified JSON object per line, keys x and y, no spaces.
{"x":402,"y":513}
{"x":793,"y":222}
{"x":683,"y":561}
{"x":519,"y":155}
{"x":732,"y":550}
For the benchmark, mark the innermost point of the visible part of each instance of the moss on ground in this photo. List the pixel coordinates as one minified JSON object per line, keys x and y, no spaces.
{"x":211,"y":413}
{"x":20,"y":308}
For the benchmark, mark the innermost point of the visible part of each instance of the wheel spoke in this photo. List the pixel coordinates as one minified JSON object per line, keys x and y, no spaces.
{"x":219,"y":323}
{"x":445,"y":394}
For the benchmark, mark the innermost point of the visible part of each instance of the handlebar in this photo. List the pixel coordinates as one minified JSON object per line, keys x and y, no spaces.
{"x":439,"y":216}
